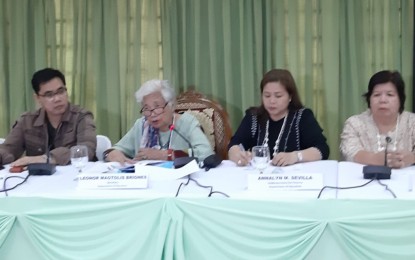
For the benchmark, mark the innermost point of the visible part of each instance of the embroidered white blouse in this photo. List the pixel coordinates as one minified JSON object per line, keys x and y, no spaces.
{"x":360,"y":133}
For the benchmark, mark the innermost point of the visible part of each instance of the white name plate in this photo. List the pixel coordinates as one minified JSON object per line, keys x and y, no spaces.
{"x":285,"y":181}
{"x":112,"y":181}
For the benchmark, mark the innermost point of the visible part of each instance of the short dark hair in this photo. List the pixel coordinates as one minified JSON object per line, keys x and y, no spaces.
{"x":385,"y":76}
{"x":45,"y":75}
{"x":286,"y":79}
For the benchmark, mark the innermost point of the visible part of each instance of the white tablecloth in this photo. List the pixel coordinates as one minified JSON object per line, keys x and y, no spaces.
{"x":351,"y":174}
{"x":226,"y":178}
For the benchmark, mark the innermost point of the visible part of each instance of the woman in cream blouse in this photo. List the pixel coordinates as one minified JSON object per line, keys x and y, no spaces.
{"x":385,"y":124}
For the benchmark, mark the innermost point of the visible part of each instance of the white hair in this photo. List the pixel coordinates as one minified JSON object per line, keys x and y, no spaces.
{"x":156,"y":85}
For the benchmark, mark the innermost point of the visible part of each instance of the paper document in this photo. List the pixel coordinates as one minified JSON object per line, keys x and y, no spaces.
{"x":156,"y":173}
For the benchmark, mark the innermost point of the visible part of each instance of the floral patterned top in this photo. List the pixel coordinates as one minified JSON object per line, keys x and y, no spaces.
{"x":361,"y":133}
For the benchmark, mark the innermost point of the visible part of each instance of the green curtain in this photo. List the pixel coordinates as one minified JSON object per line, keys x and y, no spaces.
{"x":26,"y":36}
{"x":107,"y":49}
{"x":104,"y":57}
{"x":216,"y":47}
{"x":223,"y":47}
{"x":378,"y":35}
{"x":97,"y":44}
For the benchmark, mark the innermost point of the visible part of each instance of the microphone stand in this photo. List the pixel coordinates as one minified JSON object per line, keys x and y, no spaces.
{"x":388,"y":140}
{"x":379,"y":172}
{"x":181,"y":161}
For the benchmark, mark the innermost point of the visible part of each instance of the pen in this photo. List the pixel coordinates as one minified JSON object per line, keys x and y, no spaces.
{"x":241,"y":147}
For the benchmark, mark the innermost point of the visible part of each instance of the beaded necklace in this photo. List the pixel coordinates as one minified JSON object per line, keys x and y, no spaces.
{"x":277,"y":142}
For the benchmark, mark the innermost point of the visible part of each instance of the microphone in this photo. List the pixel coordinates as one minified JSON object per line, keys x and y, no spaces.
{"x":388,"y":140}
{"x":182,"y":161}
{"x":42,"y":168}
{"x":379,"y":172}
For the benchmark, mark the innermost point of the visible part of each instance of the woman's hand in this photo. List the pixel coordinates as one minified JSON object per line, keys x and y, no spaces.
{"x":118,"y":156}
{"x":400,"y":159}
{"x":284,"y":159}
{"x":150,"y":154}
{"x":241,"y":158}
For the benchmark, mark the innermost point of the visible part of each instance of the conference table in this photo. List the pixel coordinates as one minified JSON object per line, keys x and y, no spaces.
{"x":401,"y":183}
{"x":49,"y":217}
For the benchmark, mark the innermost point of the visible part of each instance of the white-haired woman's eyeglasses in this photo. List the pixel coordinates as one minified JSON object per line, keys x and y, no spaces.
{"x":157,"y":110}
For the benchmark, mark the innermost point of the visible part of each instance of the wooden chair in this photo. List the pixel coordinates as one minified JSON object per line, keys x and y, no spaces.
{"x":212,"y":117}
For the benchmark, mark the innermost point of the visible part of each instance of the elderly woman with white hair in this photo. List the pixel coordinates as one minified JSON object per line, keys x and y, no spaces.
{"x":152,"y":136}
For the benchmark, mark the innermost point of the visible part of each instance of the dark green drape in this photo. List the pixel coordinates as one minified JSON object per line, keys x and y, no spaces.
{"x":107,"y":49}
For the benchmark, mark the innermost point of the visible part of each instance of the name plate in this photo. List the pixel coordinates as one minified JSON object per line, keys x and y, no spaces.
{"x":112,"y":181}
{"x":286,"y":181}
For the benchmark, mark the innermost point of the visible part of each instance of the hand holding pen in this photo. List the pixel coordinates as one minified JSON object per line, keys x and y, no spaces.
{"x":239,"y":155}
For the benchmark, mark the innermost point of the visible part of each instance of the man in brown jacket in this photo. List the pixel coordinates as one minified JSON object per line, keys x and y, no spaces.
{"x":56,"y":126}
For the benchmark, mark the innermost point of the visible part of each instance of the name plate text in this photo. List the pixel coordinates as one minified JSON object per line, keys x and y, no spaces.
{"x":112,"y":181}
{"x":286,"y":181}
